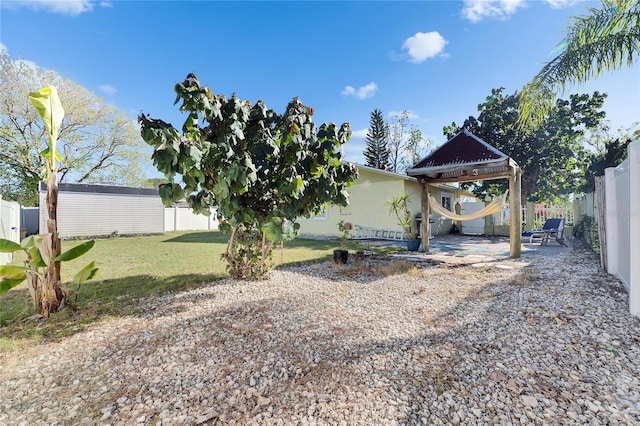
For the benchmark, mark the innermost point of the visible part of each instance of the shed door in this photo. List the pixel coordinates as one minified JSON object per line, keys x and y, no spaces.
{"x":9,"y":226}
{"x":474,"y":226}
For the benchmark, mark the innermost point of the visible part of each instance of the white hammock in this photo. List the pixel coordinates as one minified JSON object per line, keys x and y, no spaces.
{"x":494,"y":207}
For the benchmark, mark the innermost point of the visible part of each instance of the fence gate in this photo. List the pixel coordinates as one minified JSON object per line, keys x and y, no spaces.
{"x":9,"y":225}
{"x":473,"y":226}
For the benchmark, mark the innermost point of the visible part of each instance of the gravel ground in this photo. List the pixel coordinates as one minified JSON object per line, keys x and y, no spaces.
{"x":542,"y":340}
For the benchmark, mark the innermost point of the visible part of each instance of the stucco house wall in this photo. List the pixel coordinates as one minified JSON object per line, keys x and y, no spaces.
{"x":368,"y":204}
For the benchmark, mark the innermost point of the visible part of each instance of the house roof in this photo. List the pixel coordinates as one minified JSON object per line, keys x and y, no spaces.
{"x":413,"y":179}
{"x":386,"y":173}
{"x":465,"y":157}
{"x":100,"y":189}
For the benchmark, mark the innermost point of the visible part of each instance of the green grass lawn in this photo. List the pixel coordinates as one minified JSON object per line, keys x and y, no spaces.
{"x":131,"y":268}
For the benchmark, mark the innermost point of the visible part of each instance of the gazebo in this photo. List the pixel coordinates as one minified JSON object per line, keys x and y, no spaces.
{"x":467,"y":158}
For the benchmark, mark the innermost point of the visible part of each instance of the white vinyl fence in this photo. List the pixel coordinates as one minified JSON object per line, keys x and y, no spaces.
{"x":504,"y":217}
{"x":9,"y":225}
{"x":622,"y":220}
{"x":182,"y":218}
{"x":537,"y":214}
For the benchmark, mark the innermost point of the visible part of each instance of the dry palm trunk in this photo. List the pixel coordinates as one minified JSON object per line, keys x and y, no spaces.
{"x":53,"y":295}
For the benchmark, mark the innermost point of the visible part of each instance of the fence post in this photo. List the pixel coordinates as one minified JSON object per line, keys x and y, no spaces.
{"x":531,"y":216}
{"x":611,"y":221}
{"x":634,"y":227}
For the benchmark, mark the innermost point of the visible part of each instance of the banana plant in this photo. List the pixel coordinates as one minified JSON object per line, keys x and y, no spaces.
{"x":39,"y":257}
{"x":44,"y":254}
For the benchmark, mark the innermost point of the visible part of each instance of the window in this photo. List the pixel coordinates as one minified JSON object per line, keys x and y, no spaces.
{"x":319,"y":216}
{"x":446,"y":199}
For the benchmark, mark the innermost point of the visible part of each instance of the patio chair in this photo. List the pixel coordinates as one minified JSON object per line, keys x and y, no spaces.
{"x":551,"y":228}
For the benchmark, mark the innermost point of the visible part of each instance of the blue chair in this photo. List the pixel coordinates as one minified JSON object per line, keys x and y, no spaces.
{"x":551,"y":228}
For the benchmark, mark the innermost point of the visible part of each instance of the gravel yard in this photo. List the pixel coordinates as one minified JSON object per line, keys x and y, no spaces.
{"x":541,"y":340}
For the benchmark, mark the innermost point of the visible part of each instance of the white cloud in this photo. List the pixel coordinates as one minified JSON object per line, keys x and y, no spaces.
{"x":64,"y":7}
{"x":360,"y":134}
{"x":363,"y":92}
{"x":106,"y":4}
{"x":561,"y":4}
{"x":108,"y":89}
{"x":422,"y":46}
{"x":477,"y":10}
{"x":3,"y":49}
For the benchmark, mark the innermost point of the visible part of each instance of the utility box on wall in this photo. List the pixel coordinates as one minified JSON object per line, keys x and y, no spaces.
{"x":104,"y":210}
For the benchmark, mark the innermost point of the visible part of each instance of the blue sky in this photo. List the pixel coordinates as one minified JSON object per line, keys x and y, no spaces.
{"x":436,"y":59}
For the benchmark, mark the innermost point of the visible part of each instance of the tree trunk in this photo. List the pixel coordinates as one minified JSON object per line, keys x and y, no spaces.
{"x":53,"y":295}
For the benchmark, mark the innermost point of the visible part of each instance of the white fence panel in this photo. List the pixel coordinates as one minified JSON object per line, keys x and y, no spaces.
{"x":541,"y":214}
{"x":622,"y":188}
{"x":9,"y":226}
{"x":504,"y":217}
{"x":183,"y":219}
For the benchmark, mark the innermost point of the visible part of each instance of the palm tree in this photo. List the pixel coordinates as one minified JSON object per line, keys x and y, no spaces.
{"x":604,"y":40}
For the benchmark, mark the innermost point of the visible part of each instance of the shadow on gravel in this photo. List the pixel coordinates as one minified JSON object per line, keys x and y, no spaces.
{"x":311,"y":353}
{"x":499,"y":343}
{"x":96,"y":300}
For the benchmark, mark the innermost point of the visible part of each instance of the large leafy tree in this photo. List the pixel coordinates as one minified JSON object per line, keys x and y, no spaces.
{"x":605,"y":39}
{"x":550,"y":157}
{"x":97,"y":143}
{"x":377,"y":152}
{"x":263,"y":170}
{"x":607,"y":150}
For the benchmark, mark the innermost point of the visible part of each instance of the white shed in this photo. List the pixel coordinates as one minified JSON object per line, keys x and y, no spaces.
{"x":103,"y":210}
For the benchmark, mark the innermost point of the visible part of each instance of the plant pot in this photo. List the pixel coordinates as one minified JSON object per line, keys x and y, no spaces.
{"x":360,"y":255}
{"x":413,"y":245}
{"x":340,"y":256}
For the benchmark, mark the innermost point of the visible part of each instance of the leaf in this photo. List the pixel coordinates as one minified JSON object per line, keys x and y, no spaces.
{"x":6,"y":285}
{"x":46,"y":154}
{"x":36,"y":258}
{"x":47,"y":102}
{"x":75,"y":252}
{"x":86,"y":273}
{"x":29,"y":242}
{"x":8,"y":246}
{"x":221,"y":190}
{"x":12,"y":271}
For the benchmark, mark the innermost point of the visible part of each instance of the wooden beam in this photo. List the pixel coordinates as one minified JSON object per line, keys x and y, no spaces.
{"x":498,"y":175}
{"x":425,"y":216}
{"x":515,"y":215}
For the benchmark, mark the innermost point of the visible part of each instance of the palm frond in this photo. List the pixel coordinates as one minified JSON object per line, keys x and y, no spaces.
{"x":604,"y":40}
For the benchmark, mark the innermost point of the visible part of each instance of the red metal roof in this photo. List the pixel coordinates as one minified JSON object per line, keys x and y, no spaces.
{"x":463,"y":148}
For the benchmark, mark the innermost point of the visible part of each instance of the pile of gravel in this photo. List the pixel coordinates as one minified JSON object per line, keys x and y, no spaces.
{"x":545,"y":340}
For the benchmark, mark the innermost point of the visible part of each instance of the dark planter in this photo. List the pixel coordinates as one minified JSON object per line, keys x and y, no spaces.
{"x":360,"y":255}
{"x":413,"y":245}
{"x":340,"y":256}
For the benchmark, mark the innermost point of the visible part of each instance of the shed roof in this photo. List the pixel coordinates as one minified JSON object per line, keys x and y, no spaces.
{"x":464,"y":157}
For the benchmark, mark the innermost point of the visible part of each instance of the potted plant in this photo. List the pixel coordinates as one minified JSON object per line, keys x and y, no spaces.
{"x":341,"y":256}
{"x":398,"y":206}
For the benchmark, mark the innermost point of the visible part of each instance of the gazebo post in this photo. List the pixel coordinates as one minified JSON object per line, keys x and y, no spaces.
{"x":425,"y":216}
{"x":515,"y":215}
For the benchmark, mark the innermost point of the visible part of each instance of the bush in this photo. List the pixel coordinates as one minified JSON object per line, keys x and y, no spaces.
{"x":587,"y":230}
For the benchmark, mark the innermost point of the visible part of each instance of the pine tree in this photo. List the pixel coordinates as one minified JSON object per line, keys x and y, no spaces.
{"x":377,"y":150}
